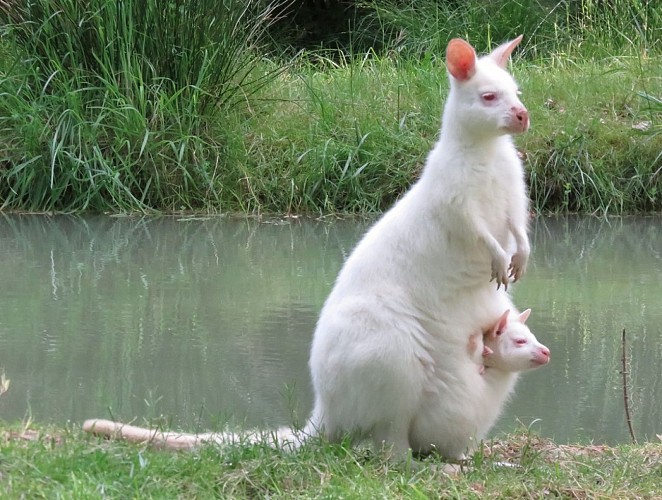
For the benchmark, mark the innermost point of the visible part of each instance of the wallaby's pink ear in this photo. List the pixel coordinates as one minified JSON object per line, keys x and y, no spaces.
{"x":502,"y":53}
{"x":460,"y":59}
{"x":499,"y":326}
{"x":524,"y":316}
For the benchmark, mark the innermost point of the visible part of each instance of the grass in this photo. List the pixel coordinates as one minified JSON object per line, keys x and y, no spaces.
{"x":188,"y":109}
{"x":582,"y":27}
{"x":48,"y":463}
{"x":121,"y":106}
{"x":593,"y":149}
{"x":352,"y":138}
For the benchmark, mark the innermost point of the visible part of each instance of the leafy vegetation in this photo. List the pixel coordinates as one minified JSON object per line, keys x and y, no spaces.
{"x":121,"y":105}
{"x":125,"y":106}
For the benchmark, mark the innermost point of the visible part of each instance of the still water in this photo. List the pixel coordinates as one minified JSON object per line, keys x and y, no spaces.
{"x":198,"y":322}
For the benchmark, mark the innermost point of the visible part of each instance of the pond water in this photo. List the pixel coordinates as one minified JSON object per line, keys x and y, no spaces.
{"x":198,"y":322}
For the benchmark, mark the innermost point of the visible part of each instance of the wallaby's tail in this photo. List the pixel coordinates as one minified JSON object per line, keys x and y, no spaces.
{"x":157,"y":437}
{"x":284,"y":438}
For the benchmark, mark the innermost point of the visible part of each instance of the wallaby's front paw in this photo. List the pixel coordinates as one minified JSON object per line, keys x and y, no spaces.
{"x":517,"y":266}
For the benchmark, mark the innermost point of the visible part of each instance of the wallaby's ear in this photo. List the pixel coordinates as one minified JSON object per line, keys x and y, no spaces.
{"x":499,"y":326}
{"x":460,"y":59}
{"x":502,"y":53}
{"x":524,"y":316}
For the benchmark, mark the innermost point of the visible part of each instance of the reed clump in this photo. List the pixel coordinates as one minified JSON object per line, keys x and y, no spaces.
{"x":121,"y":106}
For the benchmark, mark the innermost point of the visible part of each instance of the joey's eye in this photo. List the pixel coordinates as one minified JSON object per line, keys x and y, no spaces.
{"x":520,"y":341}
{"x":489,"y":96}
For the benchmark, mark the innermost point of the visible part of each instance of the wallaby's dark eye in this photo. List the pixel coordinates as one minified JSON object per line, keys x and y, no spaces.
{"x":489,"y":96}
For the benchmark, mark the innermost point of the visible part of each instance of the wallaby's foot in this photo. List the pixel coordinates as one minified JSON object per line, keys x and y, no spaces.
{"x":451,"y":469}
{"x":410,"y":464}
{"x":517,"y":266}
{"x":500,"y":270}
{"x":448,"y":469}
{"x":452,"y":466}
{"x":403,"y":459}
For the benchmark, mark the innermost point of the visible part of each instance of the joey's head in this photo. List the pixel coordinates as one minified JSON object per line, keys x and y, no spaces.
{"x":514,"y":348}
{"x":484,"y":97}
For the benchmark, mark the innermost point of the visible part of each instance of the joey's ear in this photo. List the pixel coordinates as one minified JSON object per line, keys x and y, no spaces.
{"x":502,"y":53}
{"x":503,"y":321}
{"x":524,"y":316}
{"x":499,"y":326}
{"x":460,"y":59}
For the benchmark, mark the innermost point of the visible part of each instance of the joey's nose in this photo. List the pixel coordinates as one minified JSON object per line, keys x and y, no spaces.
{"x":540,"y":357}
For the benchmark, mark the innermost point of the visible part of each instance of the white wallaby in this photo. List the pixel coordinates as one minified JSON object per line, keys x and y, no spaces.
{"x":389,"y":353}
{"x":389,"y":357}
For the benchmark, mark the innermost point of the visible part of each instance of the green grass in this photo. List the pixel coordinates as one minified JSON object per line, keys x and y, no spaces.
{"x":122,"y":106}
{"x":352,"y":138}
{"x":50,"y":463}
{"x":592,"y":148}
{"x":585,"y":27}
{"x":187,"y":109}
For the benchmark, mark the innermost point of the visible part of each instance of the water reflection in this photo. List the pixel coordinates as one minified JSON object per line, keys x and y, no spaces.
{"x":205,"y":320}
{"x":591,"y":279}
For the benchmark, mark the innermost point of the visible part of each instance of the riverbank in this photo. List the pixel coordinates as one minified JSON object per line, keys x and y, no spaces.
{"x":48,"y":462}
{"x":113,"y":120}
{"x":337,"y":138}
{"x":123,"y":108}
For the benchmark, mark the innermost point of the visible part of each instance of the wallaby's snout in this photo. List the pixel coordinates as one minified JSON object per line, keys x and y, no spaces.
{"x":520,"y":119}
{"x":541,"y":356}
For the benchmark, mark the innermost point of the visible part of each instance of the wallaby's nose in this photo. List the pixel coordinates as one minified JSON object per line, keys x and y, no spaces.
{"x":522,"y":116}
{"x":541,"y":356}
